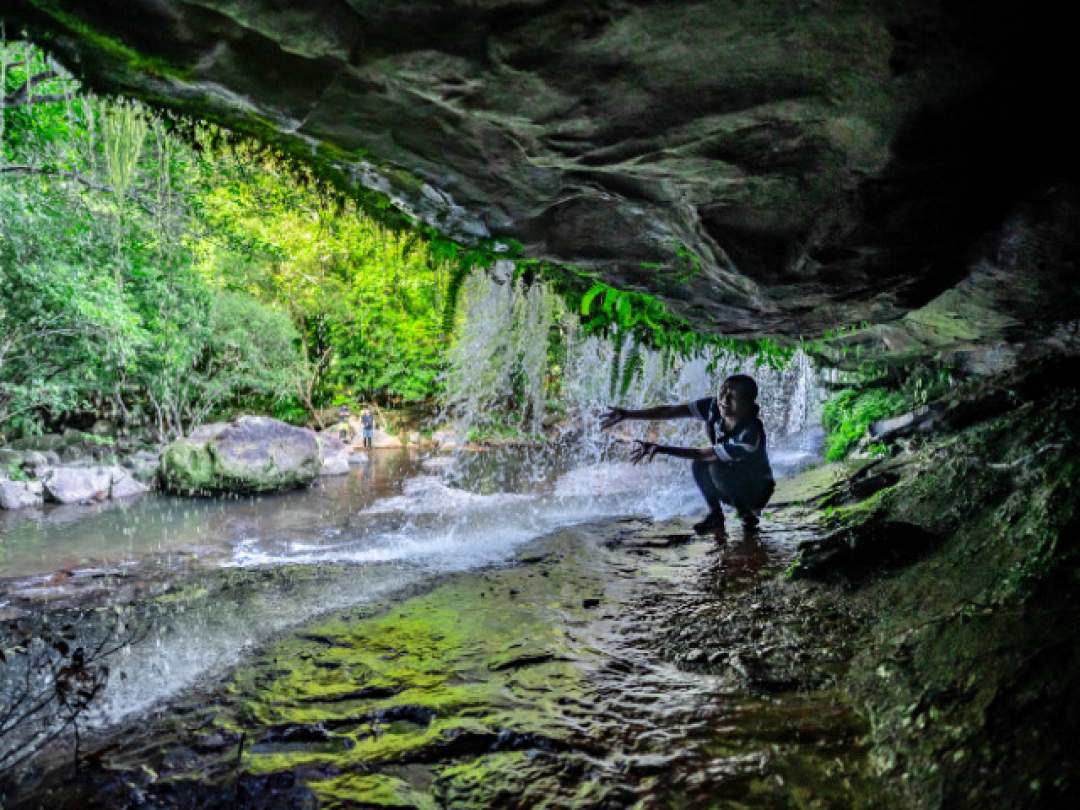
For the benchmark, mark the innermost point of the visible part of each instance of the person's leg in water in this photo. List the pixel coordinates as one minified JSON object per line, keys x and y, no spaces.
{"x":707,"y":483}
{"x":719,"y":486}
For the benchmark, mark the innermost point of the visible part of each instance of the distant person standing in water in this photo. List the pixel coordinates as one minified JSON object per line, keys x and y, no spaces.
{"x":735,"y":469}
{"x":367,"y":426}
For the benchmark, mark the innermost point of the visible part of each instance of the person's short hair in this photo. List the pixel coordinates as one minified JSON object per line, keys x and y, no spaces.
{"x":745,"y":386}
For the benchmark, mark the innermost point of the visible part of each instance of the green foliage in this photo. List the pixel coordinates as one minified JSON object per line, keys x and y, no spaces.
{"x":368,"y":303}
{"x":611,"y":310}
{"x":162,"y":271}
{"x":14,"y":472}
{"x":848,"y":414}
{"x":926,"y":383}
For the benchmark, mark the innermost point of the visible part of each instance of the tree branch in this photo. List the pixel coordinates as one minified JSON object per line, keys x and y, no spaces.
{"x":17,"y":168}
{"x":24,"y":102}
{"x":23,"y":95}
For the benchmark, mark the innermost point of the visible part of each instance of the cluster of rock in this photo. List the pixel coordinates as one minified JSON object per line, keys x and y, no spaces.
{"x":65,"y":483}
{"x":75,"y":467}
{"x":250,"y":454}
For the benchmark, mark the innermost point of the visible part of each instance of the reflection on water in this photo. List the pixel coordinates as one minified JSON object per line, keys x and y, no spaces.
{"x":348,"y":541}
{"x":34,"y":541}
{"x":443,"y":512}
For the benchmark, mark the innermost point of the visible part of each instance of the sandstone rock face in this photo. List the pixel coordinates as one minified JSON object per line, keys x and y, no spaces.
{"x":20,"y":494}
{"x":251,"y":454}
{"x":767,"y":167}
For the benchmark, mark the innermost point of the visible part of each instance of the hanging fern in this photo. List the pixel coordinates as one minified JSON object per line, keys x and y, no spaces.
{"x":632,"y":367}
{"x":459,"y":271}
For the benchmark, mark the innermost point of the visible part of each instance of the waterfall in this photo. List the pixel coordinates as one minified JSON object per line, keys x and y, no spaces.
{"x":501,"y":356}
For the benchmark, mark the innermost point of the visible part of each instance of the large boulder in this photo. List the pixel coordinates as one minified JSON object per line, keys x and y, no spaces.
{"x":20,"y":494}
{"x":251,"y":454}
{"x":333,"y":453}
{"x":77,"y":484}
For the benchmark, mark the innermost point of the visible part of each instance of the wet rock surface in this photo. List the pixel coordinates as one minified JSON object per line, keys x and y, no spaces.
{"x":624,"y":663}
{"x":20,"y":494}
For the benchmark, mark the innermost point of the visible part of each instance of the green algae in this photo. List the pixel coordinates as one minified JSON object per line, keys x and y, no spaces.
{"x":445,"y":671}
{"x":108,"y":46}
{"x":369,"y":790}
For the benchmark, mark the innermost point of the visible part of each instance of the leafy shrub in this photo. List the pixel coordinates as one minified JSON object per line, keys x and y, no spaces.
{"x":849,"y":413}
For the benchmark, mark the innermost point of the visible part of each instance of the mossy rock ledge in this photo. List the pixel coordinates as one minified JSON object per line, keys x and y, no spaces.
{"x":250,"y":454}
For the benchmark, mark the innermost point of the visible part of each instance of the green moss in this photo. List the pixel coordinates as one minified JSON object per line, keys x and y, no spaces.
{"x":188,"y":467}
{"x":392,"y":686}
{"x":968,"y":665}
{"x":368,"y":790}
{"x":107,"y":45}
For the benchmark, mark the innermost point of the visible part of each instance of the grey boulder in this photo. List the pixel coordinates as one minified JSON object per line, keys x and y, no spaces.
{"x":77,"y":484}
{"x":250,"y":454}
{"x":333,"y":453}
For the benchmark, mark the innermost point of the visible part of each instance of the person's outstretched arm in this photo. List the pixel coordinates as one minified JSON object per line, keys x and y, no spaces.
{"x":644,"y":451}
{"x":615,"y":415}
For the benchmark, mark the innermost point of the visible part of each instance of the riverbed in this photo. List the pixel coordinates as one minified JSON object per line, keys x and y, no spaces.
{"x":509,"y":598}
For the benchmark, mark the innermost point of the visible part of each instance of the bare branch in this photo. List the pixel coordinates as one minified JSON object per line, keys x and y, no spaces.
{"x":25,"y":102}
{"x":24,"y":95}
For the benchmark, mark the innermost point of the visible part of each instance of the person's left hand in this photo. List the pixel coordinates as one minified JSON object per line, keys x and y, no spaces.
{"x":644,"y":451}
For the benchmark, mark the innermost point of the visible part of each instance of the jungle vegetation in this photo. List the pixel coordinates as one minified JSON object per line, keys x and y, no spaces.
{"x":159,"y":271}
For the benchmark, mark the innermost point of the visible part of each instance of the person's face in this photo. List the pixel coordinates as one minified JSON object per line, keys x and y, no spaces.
{"x":732,"y":405}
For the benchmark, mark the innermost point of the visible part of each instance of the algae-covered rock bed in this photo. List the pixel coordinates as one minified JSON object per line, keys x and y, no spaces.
{"x":537,"y":684}
{"x":878,"y":642}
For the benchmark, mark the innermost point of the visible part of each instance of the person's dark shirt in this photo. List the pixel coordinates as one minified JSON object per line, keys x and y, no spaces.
{"x":744,"y":447}
{"x":367,"y":421}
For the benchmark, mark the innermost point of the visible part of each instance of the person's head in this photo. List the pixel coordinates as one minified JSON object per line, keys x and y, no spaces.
{"x":737,"y":398}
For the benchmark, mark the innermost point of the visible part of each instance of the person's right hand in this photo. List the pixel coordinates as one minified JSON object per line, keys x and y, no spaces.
{"x":612,"y":418}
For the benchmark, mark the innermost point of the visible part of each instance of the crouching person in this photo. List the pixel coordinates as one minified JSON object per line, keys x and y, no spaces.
{"x":734,"y":470}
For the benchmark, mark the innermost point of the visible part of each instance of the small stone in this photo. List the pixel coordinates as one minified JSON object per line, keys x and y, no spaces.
{"x":20,"y":494}
{"x":124,"y":484}
{"x":694,"y":656}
